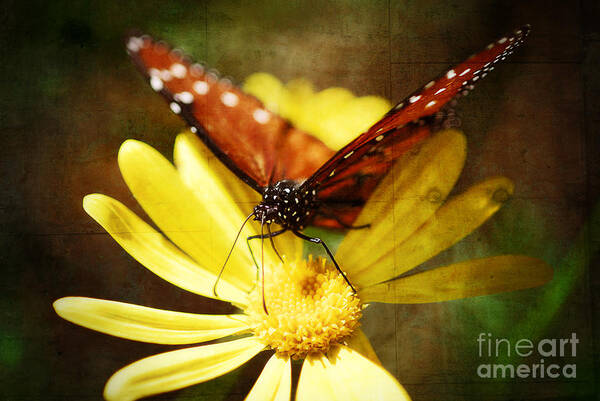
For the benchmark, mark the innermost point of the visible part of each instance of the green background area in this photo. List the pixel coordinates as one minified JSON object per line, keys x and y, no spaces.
{"x":70,"y":97}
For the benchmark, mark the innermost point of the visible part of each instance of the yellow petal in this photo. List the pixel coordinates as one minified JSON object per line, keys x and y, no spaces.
{"x":209,"y":179}
{"x":294,"y":104}
{"x":141,"y":323}
{"x":351,"y":118}
{"x":453,"y":221}
{"x":267,"y":88}
{"x":212,"y":183}
{"x":155,"y":252}
{"x":314,"y":384}
{"x":359,"y":342}
{"x":323,"y":106}
{"x":275,"y":381}
{"x":411,"y":193}
{"x":203,"y":230}
{"x":462,"y":280}
{"x":327,"y":100}
{"x":178,"y":369}
{"x":345,"y":375}
{"x":354,"y":377}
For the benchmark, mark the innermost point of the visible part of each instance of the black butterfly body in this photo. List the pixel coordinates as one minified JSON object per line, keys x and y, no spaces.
{"x":285,"y":204}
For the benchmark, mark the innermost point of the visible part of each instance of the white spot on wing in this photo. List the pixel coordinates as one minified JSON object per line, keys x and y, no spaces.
{"x":348,"y":154}
{"x":184,"y":97}
{"x":433,"y":102}
{"x":439,"y":91}
{"x":430,"y":84}
{"x":165,"y":75}
{"x":175,"y":108}
{"x":134,"y":44}
{"x":201,"y":87}
{"x":450,"y":74}
{"x":379,"y":138}
{"x":229,"y":99}
{"x":414,"y":98}
{"x":464,"y":72}
{"x":156,"y":83}
{"x":261,"y":116}
{"x":502,"y":40}
{"x":178,"y":70}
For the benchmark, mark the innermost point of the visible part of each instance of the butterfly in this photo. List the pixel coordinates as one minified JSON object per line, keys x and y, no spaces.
{"x":301,"y":180}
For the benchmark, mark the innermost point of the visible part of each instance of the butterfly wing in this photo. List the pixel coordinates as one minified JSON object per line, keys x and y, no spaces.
{"x":345,"y":182}
{"x":345,"y":191}
{"x":258,"y":146}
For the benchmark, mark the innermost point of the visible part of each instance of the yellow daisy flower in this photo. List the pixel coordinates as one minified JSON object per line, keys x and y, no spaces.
{"x":313,"y":314}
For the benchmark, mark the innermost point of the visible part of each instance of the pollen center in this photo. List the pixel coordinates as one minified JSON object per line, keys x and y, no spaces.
{"x":310,"y":308}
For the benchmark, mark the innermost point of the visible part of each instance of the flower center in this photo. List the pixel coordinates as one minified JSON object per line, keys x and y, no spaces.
{"x":310,"y":308}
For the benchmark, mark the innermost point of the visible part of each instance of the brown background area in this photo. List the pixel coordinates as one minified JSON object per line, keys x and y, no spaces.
{"x":70,"y":97}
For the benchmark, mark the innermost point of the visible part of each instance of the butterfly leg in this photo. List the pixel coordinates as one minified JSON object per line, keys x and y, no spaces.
{"x":316,"y":240}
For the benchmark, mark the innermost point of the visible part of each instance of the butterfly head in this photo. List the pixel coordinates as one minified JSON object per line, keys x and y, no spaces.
{"x":286,"y":204}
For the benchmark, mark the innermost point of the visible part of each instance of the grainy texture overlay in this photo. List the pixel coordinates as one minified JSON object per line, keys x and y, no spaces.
{"x":70,"y":97}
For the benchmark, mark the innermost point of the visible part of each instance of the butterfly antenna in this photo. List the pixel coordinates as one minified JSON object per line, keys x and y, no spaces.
{"x":229,"y":254}
{"x":262,"y":264}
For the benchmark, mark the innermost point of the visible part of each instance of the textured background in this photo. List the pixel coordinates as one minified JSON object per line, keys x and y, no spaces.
{"x":70,"y":97}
